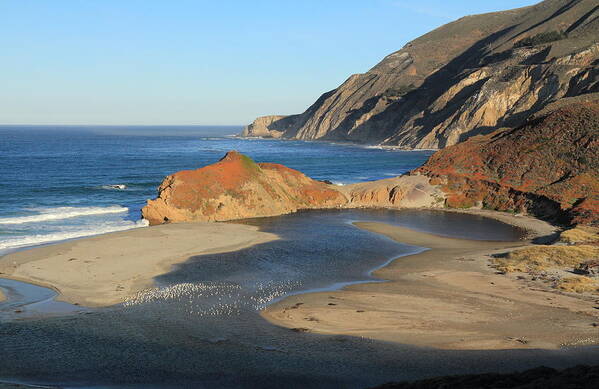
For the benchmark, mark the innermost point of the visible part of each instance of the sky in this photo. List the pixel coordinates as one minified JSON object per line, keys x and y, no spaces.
{"x":197,"y":62}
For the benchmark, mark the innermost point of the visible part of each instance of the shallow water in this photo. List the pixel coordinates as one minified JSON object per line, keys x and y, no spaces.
{"x":201,"y":327}
{"x":26,"y":300}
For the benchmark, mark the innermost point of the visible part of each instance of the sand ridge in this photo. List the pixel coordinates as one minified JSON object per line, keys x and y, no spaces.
{"x":107,"y":269}
{"x":445,"y":297}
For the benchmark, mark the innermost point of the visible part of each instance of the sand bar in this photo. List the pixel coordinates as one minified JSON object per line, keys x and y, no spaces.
{"x":107,"y":269}
{"x":446,"y":297}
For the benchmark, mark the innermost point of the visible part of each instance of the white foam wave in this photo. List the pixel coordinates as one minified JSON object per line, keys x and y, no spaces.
{"x":59,"y":213}
{"x":114,"y":187}
{"x":32,"y":240}
{"x":394,"y":148}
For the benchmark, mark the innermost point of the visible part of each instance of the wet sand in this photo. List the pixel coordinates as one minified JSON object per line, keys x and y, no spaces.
{"x":446,"y":297}
{"x":108,"y":269}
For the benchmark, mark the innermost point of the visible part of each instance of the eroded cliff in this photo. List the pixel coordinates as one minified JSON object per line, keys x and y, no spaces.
{"x":469,"y":77}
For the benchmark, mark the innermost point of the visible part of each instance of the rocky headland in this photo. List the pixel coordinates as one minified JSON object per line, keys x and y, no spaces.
{"x":236,"y":187}
{"x":548,"y":167}
{"x":473,"y":76}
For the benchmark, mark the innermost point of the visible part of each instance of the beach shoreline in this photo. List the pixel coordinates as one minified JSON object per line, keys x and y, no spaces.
{"x":24,"y":264}
{"x":108,"y":269}
{"x":447,"y":297}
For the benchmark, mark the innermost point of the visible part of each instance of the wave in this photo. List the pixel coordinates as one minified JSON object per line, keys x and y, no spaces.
{"x":59,"y":213}
{"x":32,"y":240}
{"x":114,"y":187}
{"x":394,"y":148}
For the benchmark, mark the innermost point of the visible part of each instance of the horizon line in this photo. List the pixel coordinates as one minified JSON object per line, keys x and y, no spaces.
{"x":125,"y":124}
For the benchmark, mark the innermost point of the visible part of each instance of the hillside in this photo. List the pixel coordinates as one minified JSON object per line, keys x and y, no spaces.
{"x":469,"y":77}
{"x":548,"y":167}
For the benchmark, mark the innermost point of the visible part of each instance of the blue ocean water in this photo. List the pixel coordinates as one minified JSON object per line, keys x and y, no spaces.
{"x":67,"y":182}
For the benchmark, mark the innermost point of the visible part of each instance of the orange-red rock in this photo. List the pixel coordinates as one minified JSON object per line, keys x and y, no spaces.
{"x":235,"y":188}
{"x":548,"y":167}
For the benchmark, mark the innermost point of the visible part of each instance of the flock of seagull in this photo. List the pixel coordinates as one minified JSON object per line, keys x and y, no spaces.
{"x":213,"y":298}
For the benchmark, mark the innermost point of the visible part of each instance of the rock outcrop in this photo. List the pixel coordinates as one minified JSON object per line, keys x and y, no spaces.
{"x":469,"y":77}
{"x":236,"y":188}
{"x":260,"y":127}
{"x":548,"y":167}
{"x":407,"y":191}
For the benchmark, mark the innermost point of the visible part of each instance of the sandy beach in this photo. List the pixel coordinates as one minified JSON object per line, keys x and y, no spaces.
{"x":446,"y":297}
{"x":107,"y":269}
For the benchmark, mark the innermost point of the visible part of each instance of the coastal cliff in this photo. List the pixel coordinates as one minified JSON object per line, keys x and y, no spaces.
{"x":469,"y":77}
{"x":265,"y":127}
{"x":548,"y":167}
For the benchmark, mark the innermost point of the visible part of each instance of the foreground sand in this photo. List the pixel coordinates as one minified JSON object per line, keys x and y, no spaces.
{"x":107,"y":269}
{"x":446,"y":297}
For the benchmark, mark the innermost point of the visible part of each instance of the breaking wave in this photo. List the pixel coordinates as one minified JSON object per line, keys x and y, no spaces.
{"x":114,"y":187}
{"x":31,"y":240}
{"x":59,"y":213}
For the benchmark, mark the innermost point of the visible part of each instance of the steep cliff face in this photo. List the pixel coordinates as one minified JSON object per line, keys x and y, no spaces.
{"x":235,"y":188}
{"x":473,"y":76}
{"x":549,"y":167}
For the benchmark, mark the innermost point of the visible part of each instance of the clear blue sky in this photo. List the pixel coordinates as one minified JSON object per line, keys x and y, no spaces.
{"x":196,"y":62}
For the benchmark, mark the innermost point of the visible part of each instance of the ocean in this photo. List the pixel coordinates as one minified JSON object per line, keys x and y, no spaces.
{"x":65,"y":182}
